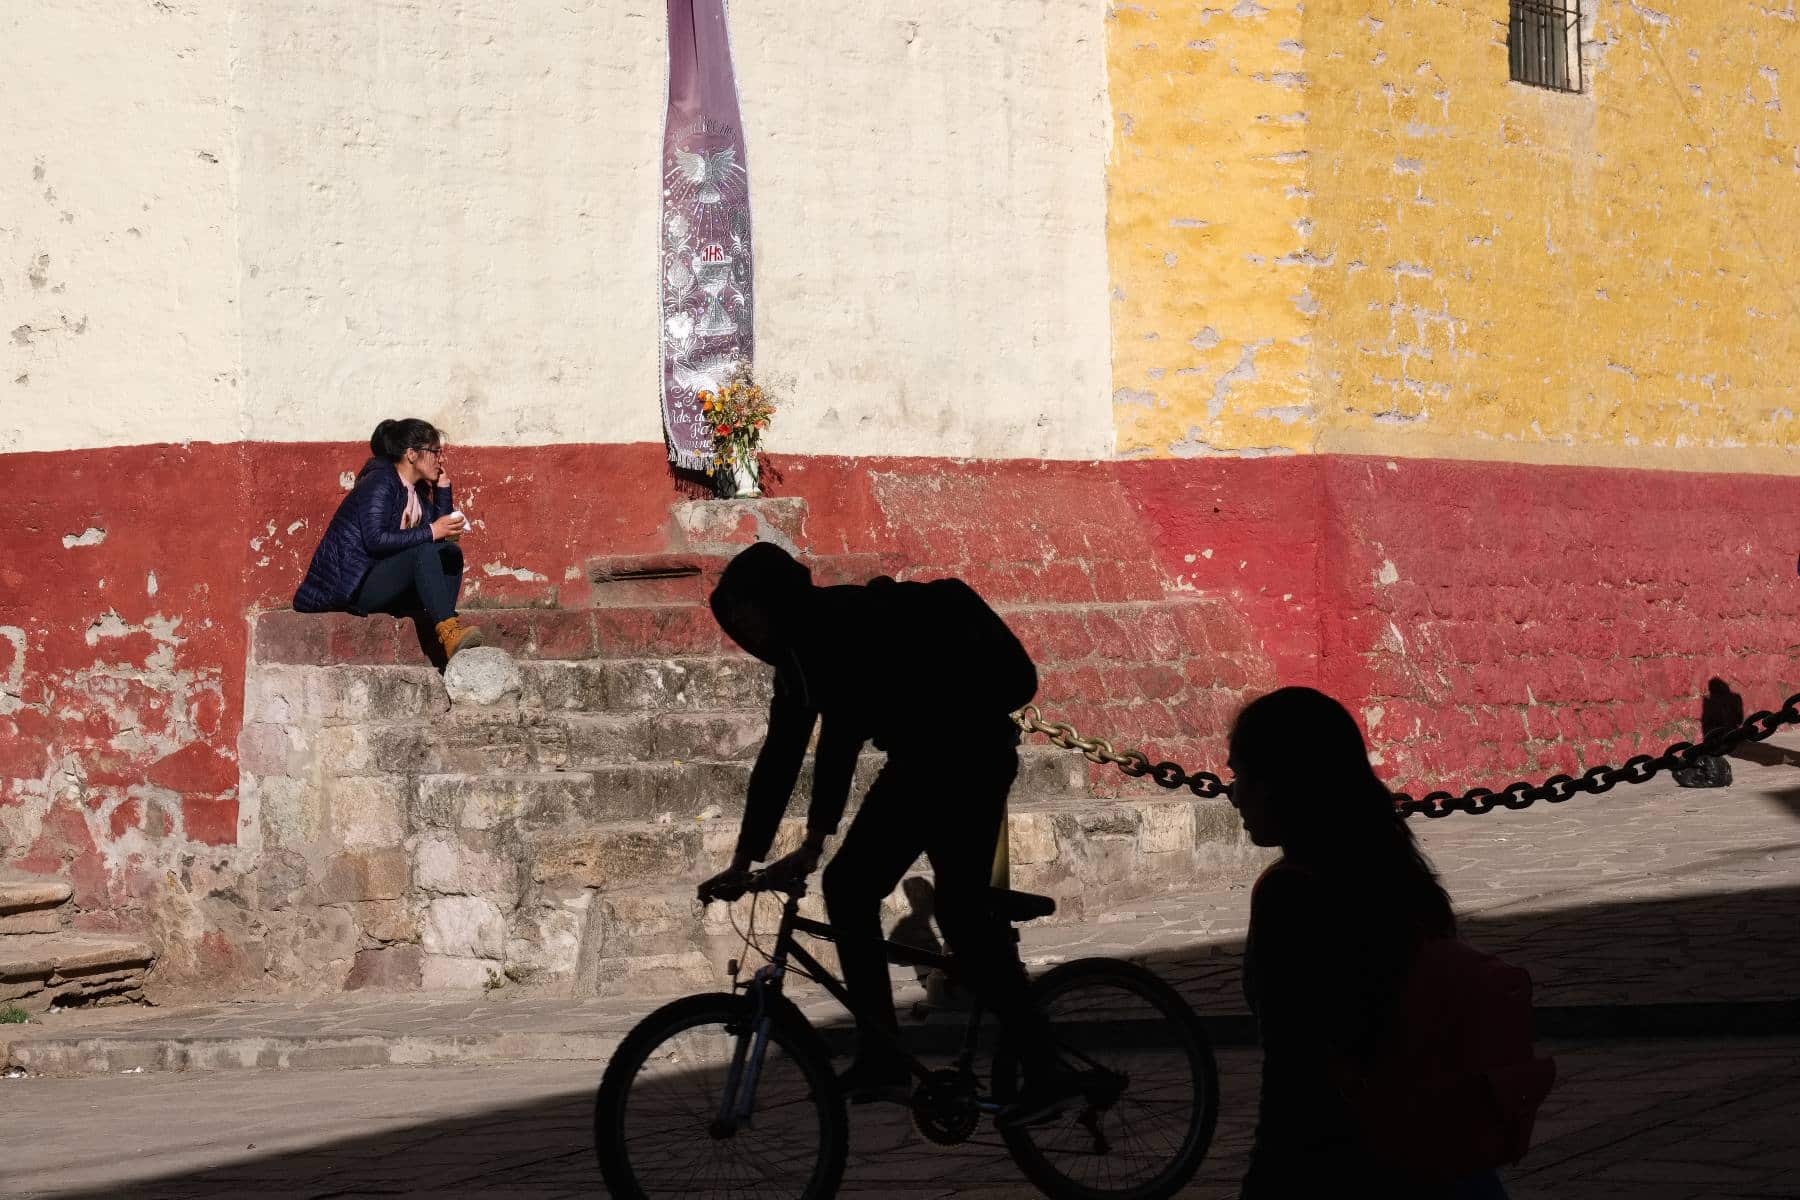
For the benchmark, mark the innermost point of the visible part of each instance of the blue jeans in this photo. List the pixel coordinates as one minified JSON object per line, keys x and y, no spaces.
{"x":427,"y":578}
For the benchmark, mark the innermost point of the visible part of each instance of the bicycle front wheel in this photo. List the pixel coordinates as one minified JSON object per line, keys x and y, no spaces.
{"x":1144,"y":1134}
{"x":657,"y":1117}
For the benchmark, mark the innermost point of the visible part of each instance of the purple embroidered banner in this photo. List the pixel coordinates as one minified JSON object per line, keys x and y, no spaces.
{"x":707,"y":323}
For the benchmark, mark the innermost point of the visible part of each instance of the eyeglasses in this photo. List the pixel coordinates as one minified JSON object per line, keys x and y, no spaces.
{"x":437,"y":450}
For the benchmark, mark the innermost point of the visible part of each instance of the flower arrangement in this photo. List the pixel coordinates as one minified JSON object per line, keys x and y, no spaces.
{"x":739,"y":412}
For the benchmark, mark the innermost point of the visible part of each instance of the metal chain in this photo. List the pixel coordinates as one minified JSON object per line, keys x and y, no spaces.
{"x":1134,"y":763}
{"x":1476,"y":801}
{"x":1637,"y":769}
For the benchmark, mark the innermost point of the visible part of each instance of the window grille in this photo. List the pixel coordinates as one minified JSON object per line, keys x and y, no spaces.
{"x":1544,"y":43}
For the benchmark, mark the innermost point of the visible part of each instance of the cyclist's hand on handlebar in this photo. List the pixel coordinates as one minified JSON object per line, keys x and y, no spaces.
{"x":727,"y":885}
{"x":793,"y":868}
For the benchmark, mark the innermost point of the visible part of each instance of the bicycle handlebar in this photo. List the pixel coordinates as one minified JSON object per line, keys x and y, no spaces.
{"x":755,"y":882}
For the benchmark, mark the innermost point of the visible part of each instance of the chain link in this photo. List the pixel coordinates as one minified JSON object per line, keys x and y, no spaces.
{"x":1639,"y":768}
{"x":1134,"y":763}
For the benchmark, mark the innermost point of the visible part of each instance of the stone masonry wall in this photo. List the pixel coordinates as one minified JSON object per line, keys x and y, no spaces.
{"x":547,"y":827}
{"x":1486,"y":621}
{"x":554,"y":836}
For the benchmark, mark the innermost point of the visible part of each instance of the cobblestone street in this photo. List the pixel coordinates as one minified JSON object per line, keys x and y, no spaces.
{"x":1649,"y":909}
{"x":1646,"y":1120}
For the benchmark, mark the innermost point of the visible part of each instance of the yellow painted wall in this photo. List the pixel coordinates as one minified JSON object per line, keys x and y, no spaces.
{"x":1206,"y":227}
{"x":1498,"y":271}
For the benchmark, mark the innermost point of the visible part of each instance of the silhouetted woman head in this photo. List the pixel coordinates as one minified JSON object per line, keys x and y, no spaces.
{"x":1302,"y":781}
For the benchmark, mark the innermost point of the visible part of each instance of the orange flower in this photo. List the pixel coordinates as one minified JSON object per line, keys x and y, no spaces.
{"x":723,"y":431}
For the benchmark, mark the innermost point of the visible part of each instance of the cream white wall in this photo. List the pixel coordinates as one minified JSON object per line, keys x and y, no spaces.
{"x":930,"y":186}
{"x":452,"y":211}
{"x":118,"y":259}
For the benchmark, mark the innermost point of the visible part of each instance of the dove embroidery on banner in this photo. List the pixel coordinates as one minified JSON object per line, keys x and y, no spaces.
{"x":708,"y":171}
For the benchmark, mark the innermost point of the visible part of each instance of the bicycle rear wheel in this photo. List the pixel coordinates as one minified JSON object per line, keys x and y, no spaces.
{"x":1144,"y":1135}
{"x":656,"y":1116}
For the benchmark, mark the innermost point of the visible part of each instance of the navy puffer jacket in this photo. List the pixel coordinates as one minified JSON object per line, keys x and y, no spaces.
{"x":365,"y":529}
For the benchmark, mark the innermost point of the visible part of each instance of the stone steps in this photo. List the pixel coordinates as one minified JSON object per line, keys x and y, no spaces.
{"x":625,"y":606}
{"x":1042,"y":829}
{"x":341,"y":693}
{"x":31,"y":903}
{"x":611,"y":745}
{"x":637,"y":580}
{"x":504,"y":740}
{"x":550,"y":832}
{"x":43,"y":965}
{"x":677,"y":624}
{"x":608,"y":792}
{"x":643,"y":933}
{"x":532,"y":894}
{"x":651,"y":630}
{"x":39,"y":971}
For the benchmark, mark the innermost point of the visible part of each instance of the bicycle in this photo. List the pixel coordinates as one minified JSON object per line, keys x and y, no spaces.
{"x":733,"y":1092}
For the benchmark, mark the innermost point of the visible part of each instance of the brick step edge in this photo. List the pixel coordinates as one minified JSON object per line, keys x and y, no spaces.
{"x":639,"y":943}
{"x":517,"y":753}
{"x":30,"y":956}
{"x":688,"y":577}
{"x":47,"y":970}
{"x":1093,"y":816}
{"x":22,"y":893}
{"x":284,"y":637}
{"x":1052,"y":850}
{"x":1171,"y":636}
{"x":32,"y":904}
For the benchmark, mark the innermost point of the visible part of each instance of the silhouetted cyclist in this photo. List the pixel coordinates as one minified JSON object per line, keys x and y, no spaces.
{"x":929,"y":674}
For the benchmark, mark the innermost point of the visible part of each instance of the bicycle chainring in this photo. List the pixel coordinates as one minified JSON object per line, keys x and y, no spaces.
{"x":946,"y":1107}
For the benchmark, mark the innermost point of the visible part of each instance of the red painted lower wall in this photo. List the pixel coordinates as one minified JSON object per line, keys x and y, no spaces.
{"x":1486,"y":620}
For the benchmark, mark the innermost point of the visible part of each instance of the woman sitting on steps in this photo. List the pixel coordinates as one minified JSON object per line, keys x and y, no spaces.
{"x":391,"y":546}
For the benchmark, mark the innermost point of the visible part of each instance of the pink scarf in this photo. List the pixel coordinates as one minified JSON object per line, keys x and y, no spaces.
{"x":414,"y":513}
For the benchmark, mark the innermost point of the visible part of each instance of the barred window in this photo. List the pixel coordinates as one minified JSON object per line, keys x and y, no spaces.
{"x":1544,"y":43}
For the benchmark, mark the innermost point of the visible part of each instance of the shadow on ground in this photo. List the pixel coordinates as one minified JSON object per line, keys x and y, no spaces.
{"x":1734,"y":951}
{"x":1766,"y":755}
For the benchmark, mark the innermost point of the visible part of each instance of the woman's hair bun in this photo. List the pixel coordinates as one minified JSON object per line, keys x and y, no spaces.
{"x":392,"y":439}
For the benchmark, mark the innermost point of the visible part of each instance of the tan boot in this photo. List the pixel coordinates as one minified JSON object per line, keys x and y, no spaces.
{"x":453,"y":635}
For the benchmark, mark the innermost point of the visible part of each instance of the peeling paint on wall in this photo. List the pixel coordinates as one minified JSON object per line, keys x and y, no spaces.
{"x":12,"y":657}
{"x":88,"y":537}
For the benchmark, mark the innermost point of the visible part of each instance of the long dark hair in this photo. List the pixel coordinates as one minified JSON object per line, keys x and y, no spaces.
{"x":392,"y":439}
{"x":1335,"y":816}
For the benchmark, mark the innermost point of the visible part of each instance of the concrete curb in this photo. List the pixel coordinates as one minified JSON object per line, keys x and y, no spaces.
{"x":124,"y":1054}
{"x":94,"y":1056}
